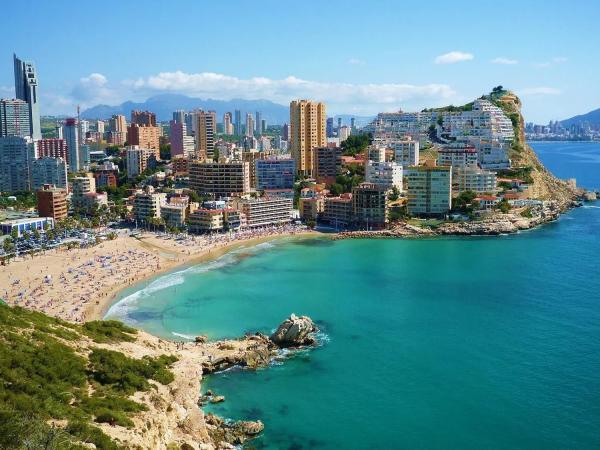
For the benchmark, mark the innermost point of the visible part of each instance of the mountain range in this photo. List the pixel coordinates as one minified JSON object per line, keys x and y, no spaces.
{"x":593,"y":118}
{"x":163,"y":106}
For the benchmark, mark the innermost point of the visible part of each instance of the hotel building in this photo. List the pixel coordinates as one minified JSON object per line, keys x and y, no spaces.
{"x":224,"y":179}
{"x":307,"y":131}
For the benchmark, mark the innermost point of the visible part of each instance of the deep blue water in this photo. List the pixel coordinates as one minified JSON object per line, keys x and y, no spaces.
{"x":438,"y":343}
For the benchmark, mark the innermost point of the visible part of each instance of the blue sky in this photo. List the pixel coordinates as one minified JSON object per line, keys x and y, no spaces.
{"x":358,"y":57}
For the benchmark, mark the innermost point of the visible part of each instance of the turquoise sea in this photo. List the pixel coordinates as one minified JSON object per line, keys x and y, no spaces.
{"x":466,"y":343}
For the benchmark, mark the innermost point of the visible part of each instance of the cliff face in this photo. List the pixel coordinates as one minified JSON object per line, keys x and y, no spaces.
{"x":545,"y":186}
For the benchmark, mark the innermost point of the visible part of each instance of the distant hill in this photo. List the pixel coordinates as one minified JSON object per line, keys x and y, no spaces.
{"x":593,"y":118}
{"x":164,"y":105}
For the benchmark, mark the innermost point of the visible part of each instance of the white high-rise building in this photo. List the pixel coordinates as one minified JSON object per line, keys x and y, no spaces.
{"x":84,"y":127}
{"x":385,"y":174}
{"x":100,"y":126}
{"x":14,"y":118}
{"x":344,"y":133}
{"x":406,"y":152}
{"x":429,"y":190}
{"x":71,"y":136}
{"x":48,"y":170}
{"x":249,"y":125}
{"x":26,"y":89}
{"x":16,"y":156}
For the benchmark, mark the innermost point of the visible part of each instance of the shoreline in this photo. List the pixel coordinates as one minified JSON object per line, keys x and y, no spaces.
{"x":85,"y":283}
{"x":97,"y":312}
{"x":80,"y":285}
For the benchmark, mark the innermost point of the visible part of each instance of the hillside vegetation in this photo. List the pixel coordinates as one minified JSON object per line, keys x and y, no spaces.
{"x":57,"y":385}
{"x":544,"y":184}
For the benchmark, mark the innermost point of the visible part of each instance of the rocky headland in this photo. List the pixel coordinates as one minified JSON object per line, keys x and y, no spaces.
{"x":174,"y":418}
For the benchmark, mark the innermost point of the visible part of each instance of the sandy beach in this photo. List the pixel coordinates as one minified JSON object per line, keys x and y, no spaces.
{"x":80,"y":284}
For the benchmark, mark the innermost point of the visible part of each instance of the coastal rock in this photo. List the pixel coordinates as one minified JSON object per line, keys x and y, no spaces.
{"x":227,"y":433}
{"x":201,"y":339}
{"x":294,"y":332}
{"x":217,"y":399}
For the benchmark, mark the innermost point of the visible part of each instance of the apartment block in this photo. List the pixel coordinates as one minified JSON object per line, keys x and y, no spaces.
{"x":429,"y":190}
{"x":458,"y":155}
{"x":311,"y":208}
{"x":14,"y":118}
{"x":337,"y":211}
{"x":16,"y":156}
{"x":474,"y":179}
{"x":265,"y":211}
{"x":147,"y":204}
{"x":369,"y":205}
{"x":307,"y":131}
{"x":145,"y":136}
{"x":138,"y":159}
{"x":146,"y":118}
{"x":275,"y":173}
{"x":327,"y":163}
{"x":205,"y":128}
{"x":52,"y":202}
{"x":205,"y":220}
{"x":223,"y":179}
{"x":54,"y":148}
{"x":48,"y":170}
{"x":384,"y":174}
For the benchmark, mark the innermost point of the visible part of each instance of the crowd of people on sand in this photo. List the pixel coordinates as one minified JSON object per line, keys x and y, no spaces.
{"x":201,"y":243}
{"x":87,"y":278}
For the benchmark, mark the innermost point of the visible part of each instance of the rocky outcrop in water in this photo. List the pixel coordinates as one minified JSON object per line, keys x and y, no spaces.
{"x":232,"y":433}
{"x":257,"y":351}
{"x":294,"y":332}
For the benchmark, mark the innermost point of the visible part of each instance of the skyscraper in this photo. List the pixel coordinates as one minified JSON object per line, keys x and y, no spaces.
{"x":16,"y":157}
{"x":307,"y":131}
{"x":181,"y":142}
{"x":258,"y":123}
{"x":26,"y":89}
{"x":329,"y":129}
{"x":249,"y":125}
{"x":117,"y":124}
{"x":71,"y":136}
{"x":179,"y":116}
{"x":238,"y":123}
{"x":285,"y":132}
{"x":100,"y":126}
{"x":143,"y":118}
{"x":227,"y":126}
{"x":206,"y":131}
{"x":14,"y":118}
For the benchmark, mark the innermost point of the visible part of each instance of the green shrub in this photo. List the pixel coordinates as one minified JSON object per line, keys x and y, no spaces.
{"x":111,"y":417}
{"x":91,"y":435}
{"x":109,"y":331}
{"x":126,"y":374}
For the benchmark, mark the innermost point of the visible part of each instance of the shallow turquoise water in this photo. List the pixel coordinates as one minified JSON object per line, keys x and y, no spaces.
{"x":444,"y":343}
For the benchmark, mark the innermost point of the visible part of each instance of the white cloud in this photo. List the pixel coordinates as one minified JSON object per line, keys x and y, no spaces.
{"x":552,"y":62}
{"x":356,"y":62}
{"x":541,"y":90}
{"x":453,"y":57}
{"x":369,"y":98}
{"x":507,"y":61}
{"x":93,"y":89}
{"x":360,"y":99}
